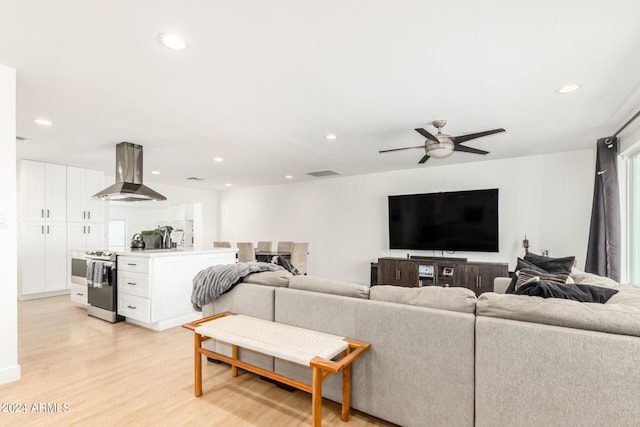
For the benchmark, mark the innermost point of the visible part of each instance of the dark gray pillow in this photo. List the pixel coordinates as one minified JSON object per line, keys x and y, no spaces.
{"x":521,"y":265}
{"x":551,"y":265}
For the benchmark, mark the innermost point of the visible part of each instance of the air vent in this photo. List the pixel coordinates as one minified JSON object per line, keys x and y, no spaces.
{"x":319,"y":174}
{"x":195,"y":178}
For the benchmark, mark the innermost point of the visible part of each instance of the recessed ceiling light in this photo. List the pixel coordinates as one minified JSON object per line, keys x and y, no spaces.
{"x":330,"y":136}
{"x":288,"y":176}
{"x":569,"y":88}
{"x":218,"y":159}
{"x":44,"y":122}
{"x":172,"y":41}
{"x":227,"y":185}
{"x":155,"y":172}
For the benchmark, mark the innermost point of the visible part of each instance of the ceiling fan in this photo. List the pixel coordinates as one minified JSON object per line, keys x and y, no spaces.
{"x":442,"y":145}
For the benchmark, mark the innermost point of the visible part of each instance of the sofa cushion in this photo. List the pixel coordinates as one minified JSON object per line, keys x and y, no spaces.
{"x":620,"y":315}
{"x":329,"y":286}
{"x":454,"y":299}
{"x":580,"y":277}
{"x":269,"y":278}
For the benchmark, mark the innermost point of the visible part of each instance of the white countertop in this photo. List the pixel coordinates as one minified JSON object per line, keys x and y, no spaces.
{"x":153,"y":253}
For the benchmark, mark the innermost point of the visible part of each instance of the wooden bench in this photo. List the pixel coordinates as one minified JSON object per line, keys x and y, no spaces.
{"x":298,"y":345}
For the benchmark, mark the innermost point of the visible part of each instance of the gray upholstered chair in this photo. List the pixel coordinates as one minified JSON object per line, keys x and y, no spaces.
{"x":299,"y":255}
{"x":264,"y":246}
{"x":246,"y":252}
{"x":285,"y":246}
{"x":221,"y":244}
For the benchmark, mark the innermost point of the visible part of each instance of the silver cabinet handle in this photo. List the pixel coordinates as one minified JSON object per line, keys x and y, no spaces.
{"x":84,"y":229}
{"x":47,"y":213}
{"x":131,"y":307}
{"x":131,"y":283}
{"x":479,"y":281}
{"x":84,"y":214}
{"x":132,"y":264}
{"x":42,"y":229}
{"x":41,"y":213}
{"x":88,"y":229}
{"x":88,"y":214}
{"x":47,"y":229}
{"x":79,"y":294}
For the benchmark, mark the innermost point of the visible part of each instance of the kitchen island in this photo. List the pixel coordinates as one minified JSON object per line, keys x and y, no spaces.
{"x":154,"y":285}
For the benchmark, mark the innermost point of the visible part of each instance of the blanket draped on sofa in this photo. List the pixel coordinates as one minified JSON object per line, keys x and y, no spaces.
{"x":213,"y":281}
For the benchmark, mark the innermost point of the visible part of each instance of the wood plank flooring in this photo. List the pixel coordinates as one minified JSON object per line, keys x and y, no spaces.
{"x":82,"y":371}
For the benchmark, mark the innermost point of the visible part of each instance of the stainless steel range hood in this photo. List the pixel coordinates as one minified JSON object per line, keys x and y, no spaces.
{"x":128,"y":186}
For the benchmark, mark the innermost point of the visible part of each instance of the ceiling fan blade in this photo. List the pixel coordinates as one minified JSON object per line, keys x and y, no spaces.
{"x":398,"y":149}
{"x":427,"y":135}
{"x":459,"y":147}
{"x":424,"y":159}
{"x":464,"y":138}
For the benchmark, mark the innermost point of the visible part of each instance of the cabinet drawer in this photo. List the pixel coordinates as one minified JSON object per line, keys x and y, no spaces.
{"x":134,"y":284}
{"x":135,"y":307}
{"x":139,"y":265}
{"x":79,"y":293}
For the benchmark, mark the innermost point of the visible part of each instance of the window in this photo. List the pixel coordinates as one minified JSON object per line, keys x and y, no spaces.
{"x":117,"y":234}
{"x":630,"y":204}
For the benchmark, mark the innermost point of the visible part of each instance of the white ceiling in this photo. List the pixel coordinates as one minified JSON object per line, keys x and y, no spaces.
{"x":261,"y":83}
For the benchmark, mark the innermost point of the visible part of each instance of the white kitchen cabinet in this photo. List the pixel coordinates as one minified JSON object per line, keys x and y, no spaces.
{"x":154,"y":289}
{"x":85,"y":214}
{"x":43,"y":228}
{"x":82,"y":184}
{"x":43,"y":191}
{"x":83,"y":236}
{"x":43,"y":257}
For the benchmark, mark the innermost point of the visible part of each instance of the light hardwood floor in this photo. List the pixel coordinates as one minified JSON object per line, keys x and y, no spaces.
{"x":124,"y":375}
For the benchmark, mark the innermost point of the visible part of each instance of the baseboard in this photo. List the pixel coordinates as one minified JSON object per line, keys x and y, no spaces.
{"x":10,"y":374}
{"x":44,"y":294}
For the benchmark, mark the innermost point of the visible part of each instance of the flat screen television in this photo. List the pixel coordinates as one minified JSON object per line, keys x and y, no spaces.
{"x":451,"y":221}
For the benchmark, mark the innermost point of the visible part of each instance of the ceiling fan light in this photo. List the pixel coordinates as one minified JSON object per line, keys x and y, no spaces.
{"x":440,"y":152}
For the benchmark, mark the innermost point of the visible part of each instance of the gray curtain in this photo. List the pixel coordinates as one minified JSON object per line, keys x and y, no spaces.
{"x":603,"y":251}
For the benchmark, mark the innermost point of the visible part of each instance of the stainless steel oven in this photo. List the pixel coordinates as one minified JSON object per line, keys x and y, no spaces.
{"x":98,"y":271}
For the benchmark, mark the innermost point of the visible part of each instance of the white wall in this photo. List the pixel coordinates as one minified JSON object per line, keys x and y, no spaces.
{"x":344,"y":219}
{"x":9,"y":368}
{"x":144,"y":215}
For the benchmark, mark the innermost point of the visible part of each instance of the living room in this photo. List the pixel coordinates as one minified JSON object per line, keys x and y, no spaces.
{"x":543,"y":165}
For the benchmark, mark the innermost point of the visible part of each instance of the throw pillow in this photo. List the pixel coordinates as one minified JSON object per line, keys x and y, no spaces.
{"x":520,"y":265}
{"x":526,"y":276}
{"x":287,"y":265}
{"x":593,"y":279}
{"x":552,"y":265}
{"x":581,"y":293}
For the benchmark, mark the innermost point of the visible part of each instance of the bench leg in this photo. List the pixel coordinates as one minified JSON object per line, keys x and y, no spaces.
{"x":346,"y":392}
{"x":197,"y":364}
{"x":316,"y":397}
{"x":234,"y":356}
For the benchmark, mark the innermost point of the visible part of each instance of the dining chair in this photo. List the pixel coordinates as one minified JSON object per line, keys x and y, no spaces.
{"x":264,"y":246}
{"x":221,"y":244}
{"x":246,"y":252}
{"x":285,"y":246}
{"x":299,"y":255}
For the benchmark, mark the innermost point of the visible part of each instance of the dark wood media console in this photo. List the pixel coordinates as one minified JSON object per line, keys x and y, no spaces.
{"x":411,"y":272}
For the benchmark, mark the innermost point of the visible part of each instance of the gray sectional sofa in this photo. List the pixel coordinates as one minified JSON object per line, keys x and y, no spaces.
{"x":441,"y":357}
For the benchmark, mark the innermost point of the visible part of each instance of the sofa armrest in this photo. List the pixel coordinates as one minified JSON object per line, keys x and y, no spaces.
{"x":500,"y":284}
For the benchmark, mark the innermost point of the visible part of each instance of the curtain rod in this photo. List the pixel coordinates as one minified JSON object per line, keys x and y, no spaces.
{"x":626,"y":124}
